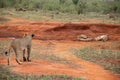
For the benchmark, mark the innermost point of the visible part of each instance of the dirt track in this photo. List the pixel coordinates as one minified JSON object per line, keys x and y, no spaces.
{"x":65,"y":33}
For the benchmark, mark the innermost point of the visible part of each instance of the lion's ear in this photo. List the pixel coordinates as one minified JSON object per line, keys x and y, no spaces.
{"x":32,"y":35}
{"x":24,"y":35}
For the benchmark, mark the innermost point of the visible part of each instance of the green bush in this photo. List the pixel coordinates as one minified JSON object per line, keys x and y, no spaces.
{"x":62,"y":1}
{"x":5,"y":3}
{"x":75,"y":2}
{"x":79,"y":6}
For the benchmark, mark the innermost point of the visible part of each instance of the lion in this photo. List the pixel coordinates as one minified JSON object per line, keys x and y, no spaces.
{"x":102,"y":38}
{"x":84,"y":37}
{"x":21,"y":44}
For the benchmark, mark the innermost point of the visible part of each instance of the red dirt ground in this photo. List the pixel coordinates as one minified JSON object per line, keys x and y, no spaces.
{"x":57,"y":30}
{"x":63,"y":36}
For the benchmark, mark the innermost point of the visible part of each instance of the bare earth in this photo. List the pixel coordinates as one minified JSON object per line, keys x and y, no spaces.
{"x":63,"y":37}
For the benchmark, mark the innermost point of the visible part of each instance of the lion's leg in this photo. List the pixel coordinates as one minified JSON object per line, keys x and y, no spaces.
{"x":17,"y":57}
{"x":28,"y":51}
{"x":8,"y":60}
{"x":9,"y":55}
{"x":24,"y":58}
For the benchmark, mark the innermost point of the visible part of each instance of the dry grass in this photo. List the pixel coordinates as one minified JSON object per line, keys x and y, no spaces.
{"x":7,"y":74}
{"x":46,"y":15}
{"x":107,"y":57}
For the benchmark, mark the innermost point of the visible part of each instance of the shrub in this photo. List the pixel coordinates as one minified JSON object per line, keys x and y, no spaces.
{"x":75,"y":2}
{"x":81,"y":7}
{"x":62,"y":1}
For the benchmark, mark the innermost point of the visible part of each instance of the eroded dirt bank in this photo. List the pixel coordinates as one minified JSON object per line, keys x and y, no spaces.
{"x":58,"y":31}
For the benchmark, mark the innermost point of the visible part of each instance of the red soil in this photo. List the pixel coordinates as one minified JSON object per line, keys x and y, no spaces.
{"x":83,"y":68}
{"x":57,"y":30}
{"x":65,"y":32}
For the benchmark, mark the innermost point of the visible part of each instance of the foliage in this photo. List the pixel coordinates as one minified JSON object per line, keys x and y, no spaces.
{"x":114,"y":6}
{"x":5,"y":3}
{"x":62,"y":1}
{"x":75,"y":1}
{"x":80,"y":6}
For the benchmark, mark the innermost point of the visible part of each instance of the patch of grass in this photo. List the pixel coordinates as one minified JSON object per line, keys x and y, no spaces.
{"x":112,"y":45}
{"x":6,"y":74}
{"x":47,"y":15}
{"x":105,"y":57}
{"x":115,"y":45}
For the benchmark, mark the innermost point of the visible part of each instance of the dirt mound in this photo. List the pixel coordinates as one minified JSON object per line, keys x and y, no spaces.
{"x":59,"y":31}
{"x":70,"y":31}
